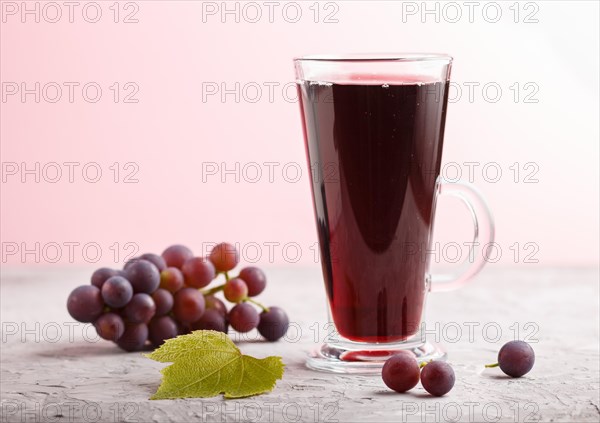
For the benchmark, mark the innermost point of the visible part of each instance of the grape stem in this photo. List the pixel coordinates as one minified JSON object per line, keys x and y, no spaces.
{"x":212,"y":291}
{"x":217,"y":288}
{"x":250,"y":300}
{"x":424,"y":363}
{"x":487,"y":366}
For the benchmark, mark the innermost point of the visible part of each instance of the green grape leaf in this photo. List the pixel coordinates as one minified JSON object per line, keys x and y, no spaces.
{"x":207,"y":363}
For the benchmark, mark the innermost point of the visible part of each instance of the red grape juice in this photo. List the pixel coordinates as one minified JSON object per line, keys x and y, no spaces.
{"x":374,"y":152}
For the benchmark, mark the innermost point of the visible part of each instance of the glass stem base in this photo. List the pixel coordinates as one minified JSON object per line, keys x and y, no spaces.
{"x":354,"y":358}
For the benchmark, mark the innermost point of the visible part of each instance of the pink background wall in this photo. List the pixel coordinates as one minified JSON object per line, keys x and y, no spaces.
{"x":175,"y":53}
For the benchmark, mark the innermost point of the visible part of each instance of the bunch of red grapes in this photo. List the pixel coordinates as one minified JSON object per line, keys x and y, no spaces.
{"x":155,"y":298}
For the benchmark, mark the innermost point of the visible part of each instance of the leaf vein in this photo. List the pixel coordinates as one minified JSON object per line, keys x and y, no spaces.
{"x":208,"y":375}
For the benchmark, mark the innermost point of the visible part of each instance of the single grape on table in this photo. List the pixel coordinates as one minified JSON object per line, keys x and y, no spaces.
{"x":515,"y":358}
{"x":157,"y":297}
{"x":437,"y":377}
{"x":401,"y":372}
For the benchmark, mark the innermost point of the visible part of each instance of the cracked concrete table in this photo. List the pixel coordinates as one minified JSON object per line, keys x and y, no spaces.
{"x":54,"y":370}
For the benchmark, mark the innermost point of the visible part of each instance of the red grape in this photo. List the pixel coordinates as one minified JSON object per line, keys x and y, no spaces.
{"x":101,"y":275}
{"x":198,"y":272}
{"x":162,"y":328}
{"x":243,"y":317}
{"x":110,"y":326}
{"x":235,"y":290}
{"x":134,"y":338}
{"x":85,"y":303}
{"x":224,"y":256}
{"x":401,"y":372}
{"x":156,"y":260}
{"x":176,"y":255}
{"x":211,"y":320}
{"x":140,"y":309}
{"x":163,"y":300}
{"x":273,"y":324}
{"x":516,"y":358}
{"x":143,"y":275}
{"x":171,"y":279}
{"x":437,"y":378}
{"x":183,"y":328}
{"x":213,"y":303}
{"x":255,"y":280}
{"x":189,"y":305}
{"x":156,"y":297}
{"x":117,"y":292}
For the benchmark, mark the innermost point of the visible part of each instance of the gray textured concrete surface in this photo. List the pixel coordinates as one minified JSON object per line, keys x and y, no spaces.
{"x":55,"y":370}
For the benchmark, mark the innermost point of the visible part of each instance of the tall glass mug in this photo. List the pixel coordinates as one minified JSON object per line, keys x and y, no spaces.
{"x":374,"y":130}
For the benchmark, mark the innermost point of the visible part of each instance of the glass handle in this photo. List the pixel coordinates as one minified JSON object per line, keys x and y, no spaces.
{"x":483,"y":236}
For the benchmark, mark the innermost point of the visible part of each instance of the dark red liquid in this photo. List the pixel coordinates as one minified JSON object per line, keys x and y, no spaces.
{"x":375,"y":153}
